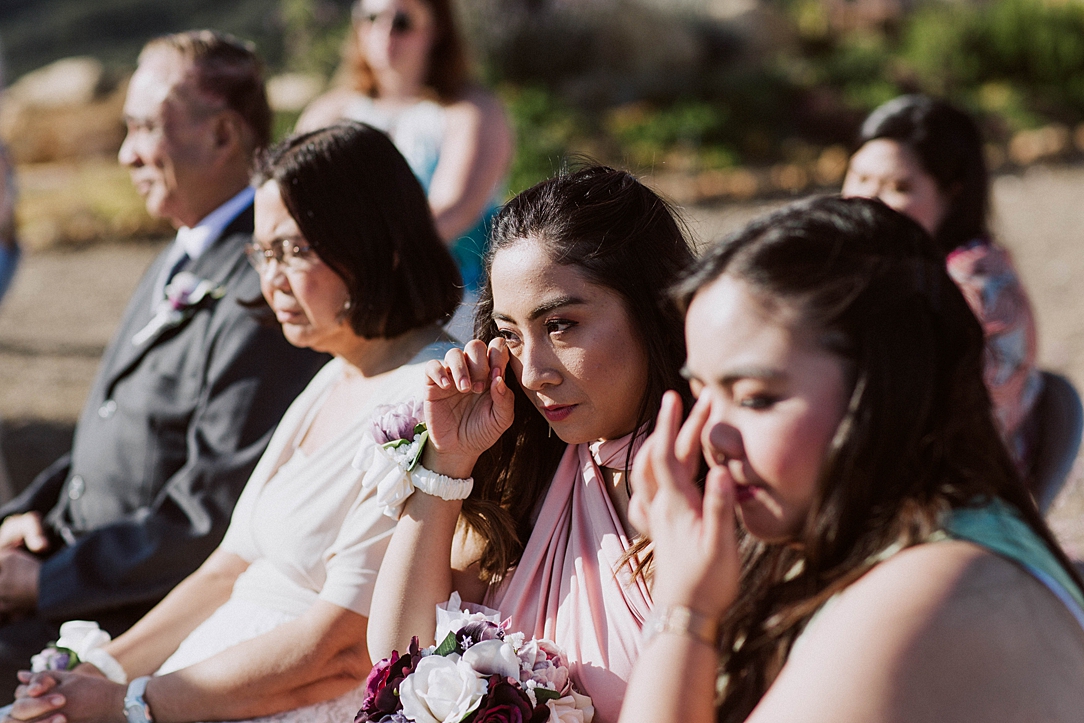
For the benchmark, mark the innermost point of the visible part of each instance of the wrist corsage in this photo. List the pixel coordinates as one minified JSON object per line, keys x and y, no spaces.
{"x":80,"y":641}
{"x":394,"y":466}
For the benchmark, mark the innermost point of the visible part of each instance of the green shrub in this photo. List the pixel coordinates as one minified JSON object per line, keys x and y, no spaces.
{"x":547,"y":131}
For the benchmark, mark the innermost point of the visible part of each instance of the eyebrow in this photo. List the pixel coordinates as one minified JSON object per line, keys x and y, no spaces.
{"x":735,"y":375}
{"x":556,"y":303}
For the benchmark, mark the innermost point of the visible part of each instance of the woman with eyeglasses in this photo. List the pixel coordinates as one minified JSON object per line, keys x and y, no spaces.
{"x":273,"y":625}
{"x":410,"y":78}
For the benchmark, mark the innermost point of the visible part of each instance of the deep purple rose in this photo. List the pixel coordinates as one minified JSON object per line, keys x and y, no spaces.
{"x":476,"y":632}
{"x":382,"y":685}
{"x":507,"y":703}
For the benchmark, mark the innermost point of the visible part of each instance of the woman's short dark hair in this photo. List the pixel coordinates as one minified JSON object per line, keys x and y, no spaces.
{"x":621,"y":236}
{"x":447,"y":71}
{"x":918,"y":437}
{"x":362,"y":210}
{"x":948,"y":145}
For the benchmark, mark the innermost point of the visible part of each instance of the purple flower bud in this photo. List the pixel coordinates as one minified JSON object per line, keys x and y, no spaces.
{"x":391,"y":422}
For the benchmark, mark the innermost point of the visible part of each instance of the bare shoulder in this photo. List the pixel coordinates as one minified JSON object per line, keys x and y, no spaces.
{"x":479,"y":104}
{"x":325,"y":109}
{"x":943,"y":631}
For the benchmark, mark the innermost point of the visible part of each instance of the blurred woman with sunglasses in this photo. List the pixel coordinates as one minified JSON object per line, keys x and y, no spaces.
{"x":410,"y":78}
{"x":273,"y":624}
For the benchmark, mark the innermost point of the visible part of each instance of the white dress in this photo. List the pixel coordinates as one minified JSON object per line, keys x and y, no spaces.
{"x":309,"y":532}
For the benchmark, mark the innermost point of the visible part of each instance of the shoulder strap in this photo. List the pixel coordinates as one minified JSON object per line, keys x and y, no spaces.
{"x":998,"y":528}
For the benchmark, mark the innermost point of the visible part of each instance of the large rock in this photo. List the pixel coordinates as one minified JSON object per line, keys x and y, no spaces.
{"x":291,"y":92}
{"x":67,"y":82}
{"x":64,"y":111}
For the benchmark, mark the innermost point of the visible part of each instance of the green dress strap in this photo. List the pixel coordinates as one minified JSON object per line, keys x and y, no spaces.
{"x":1000,"y":529}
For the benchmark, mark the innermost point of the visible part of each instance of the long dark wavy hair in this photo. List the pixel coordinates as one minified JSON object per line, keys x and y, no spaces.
{"x":622,"y":236}
{"x":918,"y":438}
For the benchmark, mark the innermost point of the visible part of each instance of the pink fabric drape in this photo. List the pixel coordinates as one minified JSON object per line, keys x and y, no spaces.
{"x":567,"y":586}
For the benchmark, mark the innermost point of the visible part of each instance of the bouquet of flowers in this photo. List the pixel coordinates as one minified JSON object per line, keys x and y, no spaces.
{"x":479,"y":673}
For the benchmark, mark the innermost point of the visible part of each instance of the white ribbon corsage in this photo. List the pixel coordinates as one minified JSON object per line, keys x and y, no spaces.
{"x":394,"y":468}
{"x":80,"y":641}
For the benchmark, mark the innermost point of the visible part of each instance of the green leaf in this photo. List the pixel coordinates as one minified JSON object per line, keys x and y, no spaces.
{"x":419,"y":428}
{"x":421,"y":447}
{"x":448,"y":646}
{"x":544,"y":694}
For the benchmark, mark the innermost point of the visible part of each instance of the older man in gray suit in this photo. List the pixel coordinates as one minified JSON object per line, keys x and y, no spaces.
{"x":190,"y":388}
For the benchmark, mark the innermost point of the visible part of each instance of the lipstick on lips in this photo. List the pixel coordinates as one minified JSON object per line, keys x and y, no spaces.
{"x":557,"y":412}
{"x":743,"y":493}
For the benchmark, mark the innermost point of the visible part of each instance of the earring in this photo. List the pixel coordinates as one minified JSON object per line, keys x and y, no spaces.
{"x":344,"y":312}
{"x":549,"y":431}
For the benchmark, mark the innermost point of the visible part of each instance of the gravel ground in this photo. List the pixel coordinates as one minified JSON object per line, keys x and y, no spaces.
{"x":64,"y":305}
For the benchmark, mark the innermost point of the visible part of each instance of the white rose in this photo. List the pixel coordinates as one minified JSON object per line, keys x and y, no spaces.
{"x":493,"y":657}
{"x":573,"y":708}
{"x":441,"y":690}
{"x":81,"y":636}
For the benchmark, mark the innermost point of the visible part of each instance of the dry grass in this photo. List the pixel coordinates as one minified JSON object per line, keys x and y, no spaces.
{"x":69,"y":204}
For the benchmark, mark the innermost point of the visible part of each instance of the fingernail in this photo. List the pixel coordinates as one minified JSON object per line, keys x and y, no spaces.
{"x":479,"y":387}
{"x":56,"y":700}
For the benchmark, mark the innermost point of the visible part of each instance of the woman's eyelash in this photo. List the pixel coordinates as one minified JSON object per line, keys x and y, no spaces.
{"x":553,"y":325}
{"x":758,"y":401}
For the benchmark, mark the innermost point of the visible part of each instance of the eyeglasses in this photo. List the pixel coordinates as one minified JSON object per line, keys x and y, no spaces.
{"x":401,"y":22}
{"x":290,"y":253}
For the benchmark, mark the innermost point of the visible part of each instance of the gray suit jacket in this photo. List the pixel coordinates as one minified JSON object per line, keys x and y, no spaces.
{"x":171,"y":430}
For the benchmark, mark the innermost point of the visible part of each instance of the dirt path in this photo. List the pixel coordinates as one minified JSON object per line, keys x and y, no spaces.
{"x":64,"y":306}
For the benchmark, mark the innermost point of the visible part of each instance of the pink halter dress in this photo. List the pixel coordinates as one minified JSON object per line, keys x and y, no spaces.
{"x":568,"y":586}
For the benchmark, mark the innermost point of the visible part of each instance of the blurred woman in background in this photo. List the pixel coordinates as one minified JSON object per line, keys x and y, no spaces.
{"x":9,"y":259}
{"x":924,"y":158}
{"x":410,"y":78}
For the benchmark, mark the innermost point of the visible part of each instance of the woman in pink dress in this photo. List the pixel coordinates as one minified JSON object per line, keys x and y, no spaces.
{"x":576,"y":343}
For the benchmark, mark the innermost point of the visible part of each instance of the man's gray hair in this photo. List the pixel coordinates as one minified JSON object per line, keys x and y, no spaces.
{"x":227,"y":70}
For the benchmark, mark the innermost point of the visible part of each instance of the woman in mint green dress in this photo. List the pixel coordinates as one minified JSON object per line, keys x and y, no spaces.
{"x":863,"y":548}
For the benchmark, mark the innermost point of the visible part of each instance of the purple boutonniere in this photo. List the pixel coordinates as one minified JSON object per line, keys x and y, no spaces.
{"x":184,"y":295}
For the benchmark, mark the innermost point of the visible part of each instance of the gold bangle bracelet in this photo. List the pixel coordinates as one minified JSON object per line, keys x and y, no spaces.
{"x":682,"y":620}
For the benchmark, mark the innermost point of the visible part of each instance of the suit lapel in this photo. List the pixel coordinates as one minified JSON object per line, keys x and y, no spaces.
{"x":216,"y":264}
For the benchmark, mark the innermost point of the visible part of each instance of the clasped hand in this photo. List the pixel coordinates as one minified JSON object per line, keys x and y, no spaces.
{"x":468,"y":406}
{"x":67,"y":697}
{"x":695,"y":549}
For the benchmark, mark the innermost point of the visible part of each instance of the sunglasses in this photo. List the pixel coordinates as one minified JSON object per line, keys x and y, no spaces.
{"x":401,"y":22}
